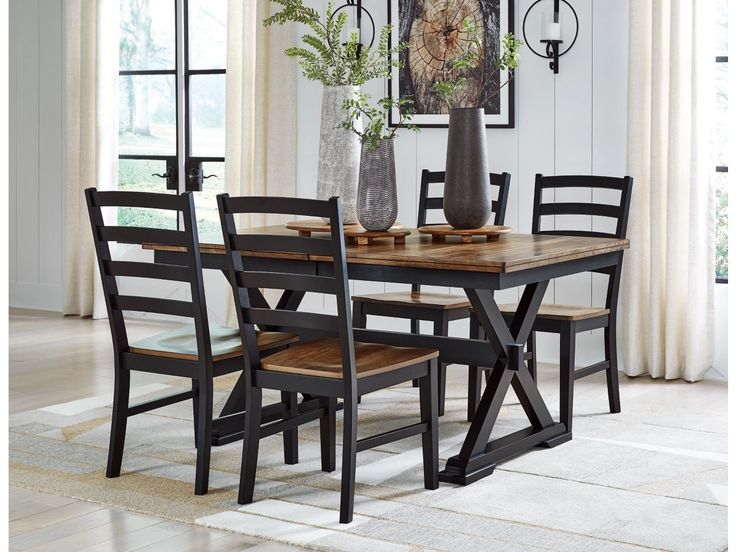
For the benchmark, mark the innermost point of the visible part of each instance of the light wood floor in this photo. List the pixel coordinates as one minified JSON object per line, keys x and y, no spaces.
{"x":54,"y":359}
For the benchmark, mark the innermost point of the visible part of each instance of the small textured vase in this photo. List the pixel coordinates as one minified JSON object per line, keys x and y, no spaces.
{"x":339,"y":152}
{"x":467,"y":201}
{"x":377,"y":201}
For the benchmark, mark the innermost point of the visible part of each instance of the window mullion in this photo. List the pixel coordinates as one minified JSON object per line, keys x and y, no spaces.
{"x":181,"y":100}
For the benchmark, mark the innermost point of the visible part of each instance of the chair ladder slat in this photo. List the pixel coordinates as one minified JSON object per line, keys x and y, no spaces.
{"x":141,"y":200}
{"x":141,"y":235}
{"x":288,"y":244}
{"x":158,"y":271}
{"x":593,"y":209}
{"x":281,"y":280}
{"x":153,"y":305}
{"x":287,"y":318}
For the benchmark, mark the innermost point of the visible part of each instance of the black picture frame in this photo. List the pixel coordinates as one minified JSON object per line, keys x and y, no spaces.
{"x":504,"y":119}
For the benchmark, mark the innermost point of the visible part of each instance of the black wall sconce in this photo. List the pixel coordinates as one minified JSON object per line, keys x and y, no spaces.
{"x":552,"y":34}
{"x":359,"y":12}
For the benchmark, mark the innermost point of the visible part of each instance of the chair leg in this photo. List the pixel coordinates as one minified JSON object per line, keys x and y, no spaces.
{"x":442,"y":328}
{"x":474,"y":373}
{"x":349,"y":451}
{"x":614,"y":398}
{"x":291,"y":436}
{"x":119,"y":422}
{"x":195,"y":407}
{"x":414,"y":329}
{"x":204,"y":436}
{"x":428,"y":406}
{"x":327,"y":433}
{"x":531,"y":346}
{"x":251,"y":439}
{"x":567,"y":375}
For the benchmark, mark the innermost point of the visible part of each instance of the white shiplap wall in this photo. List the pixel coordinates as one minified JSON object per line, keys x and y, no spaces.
{"x":36,"y":227}
{"x":573,"y":122}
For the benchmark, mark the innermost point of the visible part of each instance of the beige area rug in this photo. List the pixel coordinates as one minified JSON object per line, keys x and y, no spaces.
{"x":653,"y":477}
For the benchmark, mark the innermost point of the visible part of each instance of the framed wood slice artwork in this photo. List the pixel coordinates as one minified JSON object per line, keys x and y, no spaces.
{"x":435,"y":31}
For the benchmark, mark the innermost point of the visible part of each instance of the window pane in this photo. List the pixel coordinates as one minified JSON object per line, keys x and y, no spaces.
{"x":147,"y":34}
{"x":720,"y":147}
{"x":207,"y":34}
{"x":148,"y":115}
{"x":136,"y":175}
{"x":721,"y":225}
{"x":722,"y":27}
{"x":207,"y":105}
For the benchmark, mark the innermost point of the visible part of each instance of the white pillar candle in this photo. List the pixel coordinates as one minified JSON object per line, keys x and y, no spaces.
{"x":551,"y":30}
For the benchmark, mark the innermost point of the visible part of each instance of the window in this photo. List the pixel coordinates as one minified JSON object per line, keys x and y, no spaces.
{"x":720,"y":141}
{"x":172,"y":104}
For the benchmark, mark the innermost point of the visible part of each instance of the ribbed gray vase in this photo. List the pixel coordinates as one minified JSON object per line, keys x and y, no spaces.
{"x":467,"y":201}
{"x":339,"y":152}
{"x":377,"y":201}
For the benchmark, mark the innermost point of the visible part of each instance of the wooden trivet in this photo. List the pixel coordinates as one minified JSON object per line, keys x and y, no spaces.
{"x":309,"y":226}
{"x":354,"y":232}
{"x":440,"y":231}
{"x":366,"y":237}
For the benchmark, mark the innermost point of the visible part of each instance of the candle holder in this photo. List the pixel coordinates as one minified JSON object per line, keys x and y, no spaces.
{"x":553,"y":40}
{"x":359,"y":11}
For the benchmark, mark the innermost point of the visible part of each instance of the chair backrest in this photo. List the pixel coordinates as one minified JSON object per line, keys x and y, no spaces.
{"x":617,"y":211}
{"x":246,"y":280}
{"x":188,"y":271}
{"x":426,"y":203}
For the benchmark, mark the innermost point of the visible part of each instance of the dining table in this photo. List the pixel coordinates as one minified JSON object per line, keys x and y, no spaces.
{"x":480,"y":268}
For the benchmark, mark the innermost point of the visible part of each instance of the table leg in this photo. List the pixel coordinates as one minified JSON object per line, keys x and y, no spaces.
{"x":478,"y":457}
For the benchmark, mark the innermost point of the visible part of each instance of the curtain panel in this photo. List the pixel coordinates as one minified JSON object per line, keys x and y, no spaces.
{"x":260,"y":133}
{"x":90,"y":139}
{"x":669,"y":272}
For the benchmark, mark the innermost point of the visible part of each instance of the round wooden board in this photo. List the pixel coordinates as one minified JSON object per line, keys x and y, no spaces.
{"x":308,"y":226}
{"x":440,"y":231}
{"x":366,"y":237}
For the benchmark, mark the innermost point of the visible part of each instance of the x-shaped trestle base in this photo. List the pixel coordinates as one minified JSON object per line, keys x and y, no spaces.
{"x":478,"y":457}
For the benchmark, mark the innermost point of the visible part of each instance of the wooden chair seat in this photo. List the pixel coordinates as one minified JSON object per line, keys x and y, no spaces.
{"x":569,"y":313}
{"x":226,"y":343}
{"x":323,"y":358}
{"x":430,"y":300}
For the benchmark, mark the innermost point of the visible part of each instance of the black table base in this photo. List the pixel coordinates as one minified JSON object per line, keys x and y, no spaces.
{"x":502,"y":348}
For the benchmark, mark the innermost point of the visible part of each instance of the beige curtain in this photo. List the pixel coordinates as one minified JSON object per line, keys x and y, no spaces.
{"x":260,"y":127}
{"x":669,"y":272}
{"x":90,"y":139}
{"x":260,"y":134}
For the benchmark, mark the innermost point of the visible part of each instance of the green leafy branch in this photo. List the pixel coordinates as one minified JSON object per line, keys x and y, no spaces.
{"x":375,"y":131}
{"x":468,"y":59}
{"x":325,"y":58}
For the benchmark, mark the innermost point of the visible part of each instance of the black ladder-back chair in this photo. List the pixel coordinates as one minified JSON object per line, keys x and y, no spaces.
{"x":439,"y":308}
{"x":205,"y":355}
{"x":331,"y":365}
{"x":568,"y":320}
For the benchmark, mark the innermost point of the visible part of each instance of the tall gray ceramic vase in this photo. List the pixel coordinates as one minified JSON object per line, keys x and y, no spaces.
{"x":467,"y":201}
{"x":377,"y":201}
{"x":339,"y":152}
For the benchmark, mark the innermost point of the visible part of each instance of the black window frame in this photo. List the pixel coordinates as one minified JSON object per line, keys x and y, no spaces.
{"x":192,"y":165}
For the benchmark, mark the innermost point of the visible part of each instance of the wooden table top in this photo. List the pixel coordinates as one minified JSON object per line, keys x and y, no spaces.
{"x":511,"y":253}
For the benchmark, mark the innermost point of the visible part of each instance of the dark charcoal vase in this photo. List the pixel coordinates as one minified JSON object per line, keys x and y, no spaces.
{"x":377,"y":203}
{"x":467,"y":186}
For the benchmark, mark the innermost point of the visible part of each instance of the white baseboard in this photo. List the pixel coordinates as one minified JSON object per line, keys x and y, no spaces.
{"x":46,"y":297}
